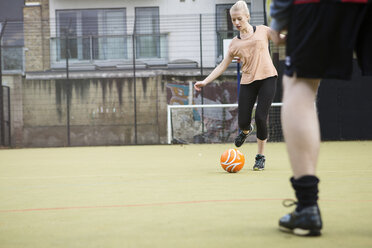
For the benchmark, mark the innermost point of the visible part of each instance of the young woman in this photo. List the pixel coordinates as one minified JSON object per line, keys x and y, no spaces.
{"x":258,"y":82}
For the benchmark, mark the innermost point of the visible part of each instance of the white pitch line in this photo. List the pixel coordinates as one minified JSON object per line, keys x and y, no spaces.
{"x":53,"y":177}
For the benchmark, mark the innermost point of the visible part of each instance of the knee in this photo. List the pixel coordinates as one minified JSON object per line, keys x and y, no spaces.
{"x":260,"y":119}
{"x":244,"y":122}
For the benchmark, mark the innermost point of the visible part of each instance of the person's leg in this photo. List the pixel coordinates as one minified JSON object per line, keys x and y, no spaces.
{"x":259,"y":163}
{"x":261,"y":146}
{"x":265,"y":97}
{"x":301,"y":132}
{"x":246,"y":101}
{"x":300,"y":124}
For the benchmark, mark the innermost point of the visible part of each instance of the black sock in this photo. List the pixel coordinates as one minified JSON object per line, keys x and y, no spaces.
{"x":306,"y":189}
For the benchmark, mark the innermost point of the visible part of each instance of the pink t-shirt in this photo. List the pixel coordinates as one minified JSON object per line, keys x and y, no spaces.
{"x":254,"y":55}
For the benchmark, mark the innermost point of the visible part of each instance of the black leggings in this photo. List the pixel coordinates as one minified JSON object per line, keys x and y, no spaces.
{"x":264,"y":92}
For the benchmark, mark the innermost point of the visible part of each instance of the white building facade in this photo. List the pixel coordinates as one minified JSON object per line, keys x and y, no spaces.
{"x":167,"y":33}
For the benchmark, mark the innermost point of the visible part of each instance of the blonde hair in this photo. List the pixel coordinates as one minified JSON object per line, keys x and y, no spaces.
{"x":241,"y":6}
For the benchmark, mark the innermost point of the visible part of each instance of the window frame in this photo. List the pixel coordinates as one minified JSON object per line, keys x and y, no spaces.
{"x":79,"y":34}
{"x":154,"y":34}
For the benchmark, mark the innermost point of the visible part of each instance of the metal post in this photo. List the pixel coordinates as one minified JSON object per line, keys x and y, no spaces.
{"x":1,"y":101}
{"x":201,"y":44}
{"x":10,"y":120}
{"x":202,"y":110}
{"x":67,"y":52}
{"x":134,"y":83}
{"x":201,"y":69}
{"x":91,"y":47}
{"x":2,"y":131}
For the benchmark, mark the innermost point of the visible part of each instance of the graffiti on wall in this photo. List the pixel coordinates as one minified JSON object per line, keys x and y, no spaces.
{"x":204,"y":124}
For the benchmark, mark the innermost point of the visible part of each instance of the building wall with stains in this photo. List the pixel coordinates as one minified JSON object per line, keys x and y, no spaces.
{"x":105,"y":111}
{"x":101,"y":112}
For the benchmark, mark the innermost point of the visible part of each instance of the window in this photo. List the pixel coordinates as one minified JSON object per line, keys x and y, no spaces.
{"x":67,"y":26}
{"x":89,"y":31}
{"x":147,"y":32}
{"x":224,"y":26}
{"x":94,"y":34}
{"x":116,"y":41}
{"x":12,"y":43}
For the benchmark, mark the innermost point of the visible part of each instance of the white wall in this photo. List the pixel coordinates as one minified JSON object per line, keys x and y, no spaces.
{"x":179,"y":19}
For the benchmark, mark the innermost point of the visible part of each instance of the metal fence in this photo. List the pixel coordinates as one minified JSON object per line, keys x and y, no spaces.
{"x":99,"y":77}
{"x":5,"y":114}
{"x":105,"y":41}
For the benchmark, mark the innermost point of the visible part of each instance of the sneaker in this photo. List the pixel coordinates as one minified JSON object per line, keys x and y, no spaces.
{"x":239,"y":140}
{"x":306,"y":222}
{"x":260,"y":163}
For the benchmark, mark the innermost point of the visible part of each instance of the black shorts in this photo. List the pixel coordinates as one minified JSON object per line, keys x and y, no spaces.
{"x":323,"y":36}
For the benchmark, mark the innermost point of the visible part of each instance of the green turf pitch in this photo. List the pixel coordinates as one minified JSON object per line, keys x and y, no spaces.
{"x":175,"y":196}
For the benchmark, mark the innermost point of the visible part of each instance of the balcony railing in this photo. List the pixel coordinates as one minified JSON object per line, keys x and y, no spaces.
{"x":109,"y":48}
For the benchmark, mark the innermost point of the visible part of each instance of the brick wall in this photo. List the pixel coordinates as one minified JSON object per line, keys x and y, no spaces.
{"x":37,"y":36}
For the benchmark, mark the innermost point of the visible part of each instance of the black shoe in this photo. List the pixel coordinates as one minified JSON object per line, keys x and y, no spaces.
{"x":239,"y":140}
{"x":260,"y":163}
{"x":306,"y":222}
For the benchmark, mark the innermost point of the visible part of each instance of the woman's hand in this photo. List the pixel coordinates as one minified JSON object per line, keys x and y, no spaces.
{"x":200,"y":84}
